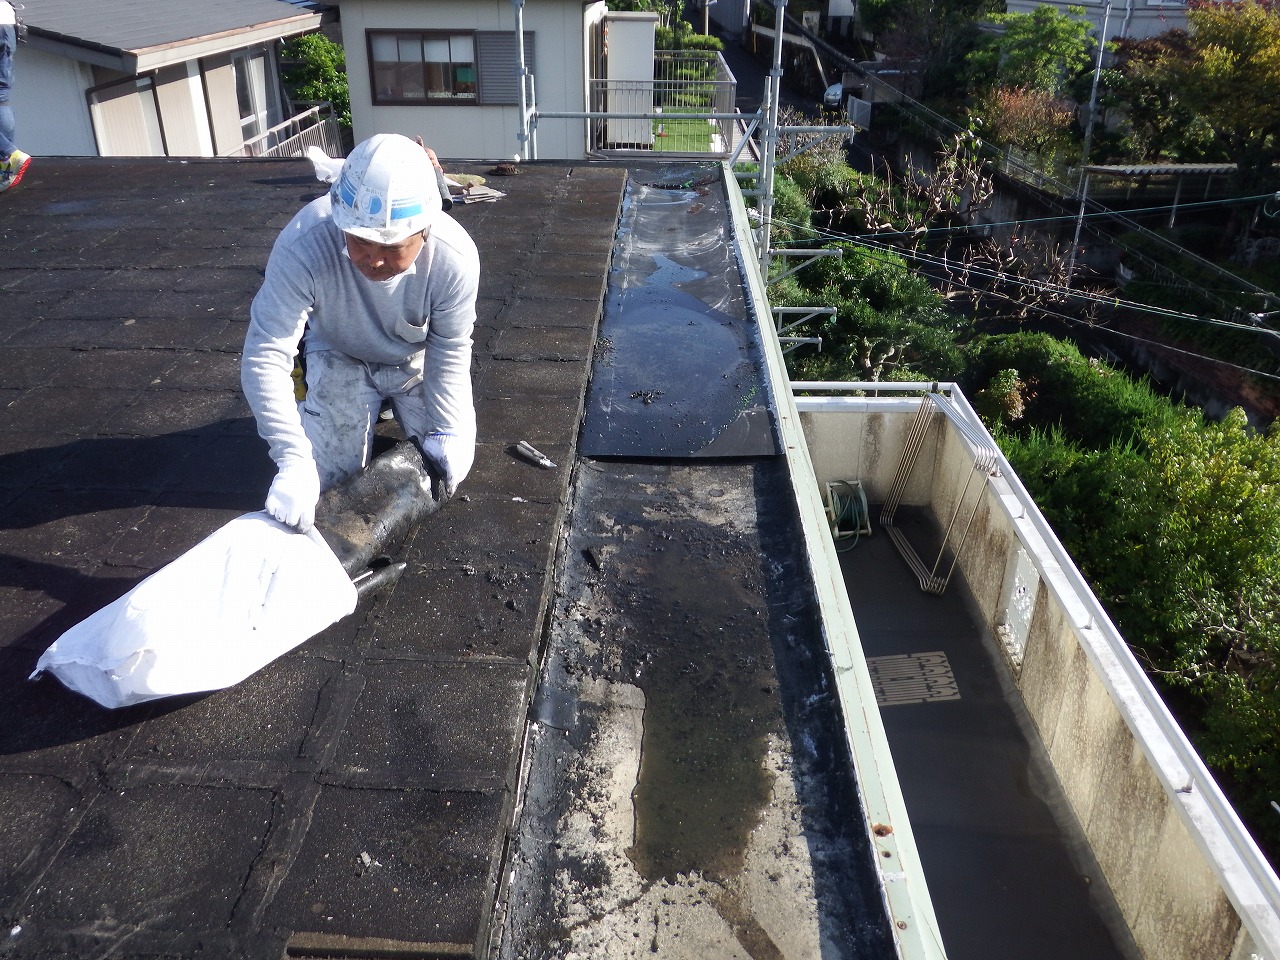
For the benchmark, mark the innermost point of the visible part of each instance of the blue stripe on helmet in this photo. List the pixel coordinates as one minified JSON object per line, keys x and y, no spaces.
{"x":346,"y":191}
{"x":404,"y":209}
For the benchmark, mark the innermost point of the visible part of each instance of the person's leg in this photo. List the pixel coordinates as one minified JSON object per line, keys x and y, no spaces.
{"x":404,"y":385}
{"x":338,"y":414}
{"x":7,"y":145}
{"x":7,"y":43}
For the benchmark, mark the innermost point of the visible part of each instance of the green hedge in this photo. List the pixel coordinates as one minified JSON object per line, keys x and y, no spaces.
{"x":1092,"y":403}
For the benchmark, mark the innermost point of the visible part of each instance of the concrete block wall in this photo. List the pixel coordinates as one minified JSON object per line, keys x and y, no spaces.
{"x":1166,"y":887}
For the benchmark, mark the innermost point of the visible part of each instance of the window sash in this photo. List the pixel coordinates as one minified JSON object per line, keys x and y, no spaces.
{"x":409,"y":67}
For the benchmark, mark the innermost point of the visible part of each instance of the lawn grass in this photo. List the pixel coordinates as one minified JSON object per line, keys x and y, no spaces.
{"x":676,"y":134}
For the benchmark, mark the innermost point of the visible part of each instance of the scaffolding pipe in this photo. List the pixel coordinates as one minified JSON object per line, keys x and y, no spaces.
{"x":773,"y":90}
{"x":533,"y":112}
{"x":522,"y":134}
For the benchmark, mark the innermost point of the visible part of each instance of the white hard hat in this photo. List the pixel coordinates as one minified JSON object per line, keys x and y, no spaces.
{"x":387,"y":190}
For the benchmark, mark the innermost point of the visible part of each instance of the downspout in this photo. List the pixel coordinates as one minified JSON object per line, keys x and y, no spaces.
{"x":522,"y":134}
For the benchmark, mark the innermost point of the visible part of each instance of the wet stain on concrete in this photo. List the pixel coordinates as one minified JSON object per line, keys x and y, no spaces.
{"x":697,"y":653}
{"x":685,"y":796}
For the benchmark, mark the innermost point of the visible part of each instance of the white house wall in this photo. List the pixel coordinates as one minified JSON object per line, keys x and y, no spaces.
{"x":477,"y":132}
{"x":49,"y":105}
{"x":53,"y":116}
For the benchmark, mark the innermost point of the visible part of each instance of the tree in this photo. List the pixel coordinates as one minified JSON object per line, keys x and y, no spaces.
{"x":1159,"y":124}
{"x":1210,"y":92}
{"x":1024,"y":117}
{"x":682,"y":36}
{"x":1225,"y":73}
{"x":1203,"y":600}
{"x":957,"y":187}
{"x":320,"y":72}
{"x":934,"y":32}
{"x":889,"y":323}
{"x":1043,"y":50}
{"x":1228,"y":72}
{"x":1092,"y":404}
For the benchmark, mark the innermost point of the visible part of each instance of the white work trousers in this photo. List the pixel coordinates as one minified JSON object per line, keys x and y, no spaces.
{"x":341,"y":408}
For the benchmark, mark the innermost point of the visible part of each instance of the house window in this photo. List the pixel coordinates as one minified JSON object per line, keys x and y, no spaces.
{"x":126,"y":118}
{"x":249,"y":100}
{"x":434,"y":67}
{"x":413,"y":67}
{"x":256,"y":100}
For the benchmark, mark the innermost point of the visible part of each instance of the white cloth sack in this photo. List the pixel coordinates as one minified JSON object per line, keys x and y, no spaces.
{"x":249,"y":593}
{"x":327,"y":168}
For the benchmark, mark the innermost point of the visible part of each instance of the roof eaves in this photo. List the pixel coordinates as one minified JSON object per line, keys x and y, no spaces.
{"x":1161,"y":169}
{"x":85,"y":51}
{"x":145,"y":59}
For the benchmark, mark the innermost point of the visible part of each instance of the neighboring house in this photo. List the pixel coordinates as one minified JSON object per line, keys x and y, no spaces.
{"x":448,"y":70}
{"x":734,"y":16}
{"x":1130,"y":19}
{"x":152,"y":77}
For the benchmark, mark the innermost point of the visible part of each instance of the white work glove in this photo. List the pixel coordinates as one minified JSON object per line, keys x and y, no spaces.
{"x":294,"y":493}
{"x":453,"y":455}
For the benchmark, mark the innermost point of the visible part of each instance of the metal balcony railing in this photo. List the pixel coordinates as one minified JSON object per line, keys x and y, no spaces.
{"x":314,"y":127}
{"x":682,"y":110}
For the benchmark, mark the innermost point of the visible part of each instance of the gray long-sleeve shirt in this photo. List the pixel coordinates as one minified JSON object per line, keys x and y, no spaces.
{"x":431,"y":308}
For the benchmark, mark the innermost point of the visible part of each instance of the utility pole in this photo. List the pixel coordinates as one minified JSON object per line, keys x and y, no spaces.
{"x":1083,"y":189}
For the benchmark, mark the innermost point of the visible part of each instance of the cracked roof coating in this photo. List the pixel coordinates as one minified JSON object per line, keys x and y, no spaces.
{"x":354,"y":793}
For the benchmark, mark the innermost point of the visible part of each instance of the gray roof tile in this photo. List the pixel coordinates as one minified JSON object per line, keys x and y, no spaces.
{"x":144,"y":24}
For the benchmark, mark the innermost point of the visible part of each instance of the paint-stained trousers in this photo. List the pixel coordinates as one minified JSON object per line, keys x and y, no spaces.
{"x":344,"y":396}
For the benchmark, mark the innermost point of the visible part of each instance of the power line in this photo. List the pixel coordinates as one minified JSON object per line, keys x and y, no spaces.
{"x":1071,"y":293}
{"x":1188,"y":353}
{"x":1039,"y":286}
{"x":1076,"y":294}
{"x":1073,"y":217}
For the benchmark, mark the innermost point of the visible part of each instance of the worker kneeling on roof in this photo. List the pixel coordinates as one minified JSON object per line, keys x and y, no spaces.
{"x":384,"y":284}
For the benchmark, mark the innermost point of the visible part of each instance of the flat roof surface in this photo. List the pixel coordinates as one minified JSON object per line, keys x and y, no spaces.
{"x":357,"y":788}
{"x":362,"y":794}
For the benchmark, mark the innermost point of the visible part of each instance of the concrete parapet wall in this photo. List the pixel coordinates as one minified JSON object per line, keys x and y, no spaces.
{"x":1172,"y":868}
{"x":868,"y":446}
{"x":1167,"y":891}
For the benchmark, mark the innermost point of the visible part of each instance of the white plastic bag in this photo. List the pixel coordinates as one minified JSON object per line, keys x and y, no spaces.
{"x":249,"y":593}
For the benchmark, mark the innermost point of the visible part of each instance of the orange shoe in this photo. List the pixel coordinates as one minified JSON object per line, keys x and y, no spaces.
{"x":14,"y":168}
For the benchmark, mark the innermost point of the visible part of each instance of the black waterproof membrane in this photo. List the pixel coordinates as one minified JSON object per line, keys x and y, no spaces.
{"x":678,"y":369}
